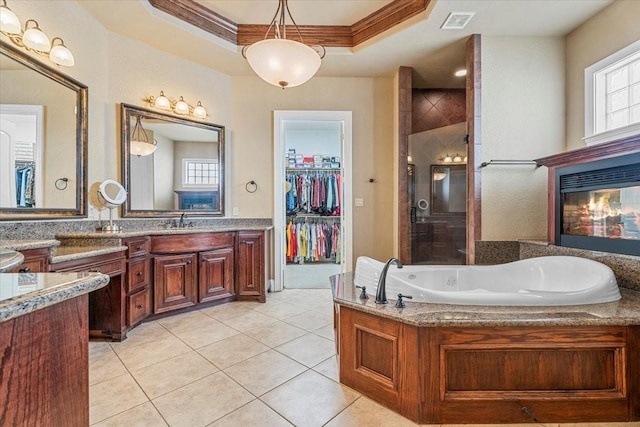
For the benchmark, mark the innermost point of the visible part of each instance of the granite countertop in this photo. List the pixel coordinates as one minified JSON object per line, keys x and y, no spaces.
{"x":23,"y":293}
{"x":69,"y":253}
{"x":20,"y":245}
{"x":160,"y":231}
{"x":9,"y":259}
{"x":624,"y":312}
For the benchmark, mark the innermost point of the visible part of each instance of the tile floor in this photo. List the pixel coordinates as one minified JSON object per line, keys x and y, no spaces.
{"x":239,"y":364}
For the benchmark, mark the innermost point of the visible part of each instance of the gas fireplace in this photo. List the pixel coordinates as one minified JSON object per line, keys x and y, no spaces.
{"x":599,"y":205}
{"x":594,"y":197}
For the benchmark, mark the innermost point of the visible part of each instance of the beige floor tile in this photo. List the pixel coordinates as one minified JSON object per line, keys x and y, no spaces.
{"x":366,"y":412}
{"x":144,"y":415}
{"x":326,"y":332}
{"x":232,"y":350}
{"x":310,"y":399}
{"x":168,"y":375}
{"x":329,"y":368}
{"x":248,"y":321}
{"x":149,"y":353}
{"x":98,"y":348}
{"x":202,"y":402}
{"x":309,"y":349}
{"x":281,"y":310}
{"x":264,"y":372}
{"x":104,"y":364}
{"x":254,"y":413}
{"x":113,"y":396}
{"x":183,"y":320}
{"x":311,"y":320}
{"x":142,"y":334}
{"x":309,"y":275}
{"x":204,"y":331}
{"x":508,"y":425}
{"x":275,"y":334}
{"x":226,"y":311}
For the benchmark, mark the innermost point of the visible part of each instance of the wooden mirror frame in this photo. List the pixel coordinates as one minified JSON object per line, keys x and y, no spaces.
{"x":126,"y":113}
{"x":81,"y":90}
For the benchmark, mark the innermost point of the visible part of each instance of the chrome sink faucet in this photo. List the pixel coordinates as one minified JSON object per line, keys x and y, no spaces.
{"x":381,"y":292}
{"x":181,"y":223}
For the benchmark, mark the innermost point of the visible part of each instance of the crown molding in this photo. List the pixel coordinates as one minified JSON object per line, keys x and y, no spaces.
{"x":376,"y":23}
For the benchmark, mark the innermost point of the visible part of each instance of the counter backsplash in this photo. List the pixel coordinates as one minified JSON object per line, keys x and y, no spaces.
{"x":625,"y":267}
{"x":41,"y":230}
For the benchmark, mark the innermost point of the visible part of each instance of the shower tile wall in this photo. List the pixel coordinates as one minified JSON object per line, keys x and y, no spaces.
{"x":435,"y":108}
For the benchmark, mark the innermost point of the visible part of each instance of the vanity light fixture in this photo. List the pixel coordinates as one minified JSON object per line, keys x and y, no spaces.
{"x":142,"y":144}
{"x":457,"y":158}
{"x":179,"y":107}
{"x":447,"y":159}
{"x":32,"y":38}
{"x":280,"y":61}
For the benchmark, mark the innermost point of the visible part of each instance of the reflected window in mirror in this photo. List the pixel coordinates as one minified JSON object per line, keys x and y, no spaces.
{"x":183,"y":174}
{"x":43,"y":140}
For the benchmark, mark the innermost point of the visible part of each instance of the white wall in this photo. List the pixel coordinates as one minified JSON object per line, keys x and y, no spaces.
{"x":612,"y":29}
{"x":522,"y":119}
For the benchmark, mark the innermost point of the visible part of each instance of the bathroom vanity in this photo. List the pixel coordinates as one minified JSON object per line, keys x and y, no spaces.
{"x":156,"y":272}
{"x":441,"y":363}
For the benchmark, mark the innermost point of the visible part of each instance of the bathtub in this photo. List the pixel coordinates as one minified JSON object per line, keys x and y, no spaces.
{"x":544,"y":281}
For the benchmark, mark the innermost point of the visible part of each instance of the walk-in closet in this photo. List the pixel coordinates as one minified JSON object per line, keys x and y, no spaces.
{"x":313,"y":183}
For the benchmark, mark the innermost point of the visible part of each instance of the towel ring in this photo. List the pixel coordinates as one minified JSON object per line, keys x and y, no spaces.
{"x":251,"y":186}
{"x":62,"y":183}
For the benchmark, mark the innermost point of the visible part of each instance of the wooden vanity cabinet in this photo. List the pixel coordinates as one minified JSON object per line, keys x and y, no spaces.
{"x":175,"y":282}
{"x":137,"y":286}
{"x":216,"y":274}
{"x":250,"y":268}
{"x":35,"y":261}
{"x":106,"y":305}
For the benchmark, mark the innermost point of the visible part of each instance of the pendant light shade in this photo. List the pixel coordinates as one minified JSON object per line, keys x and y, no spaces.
{"x":9,"y":22}
{"x":280,"y":61}
{"x":141,"y":144}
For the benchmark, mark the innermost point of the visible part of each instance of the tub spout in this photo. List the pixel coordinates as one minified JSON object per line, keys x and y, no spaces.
{"x":381,"y":292}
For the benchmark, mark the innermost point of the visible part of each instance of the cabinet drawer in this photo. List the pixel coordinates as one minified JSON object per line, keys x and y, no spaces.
{"x":138,"y":306}
{"x":181,"y":243}
{"x":137,"y":246}
{"x":110,"y":267}
{"x":138,"y":274}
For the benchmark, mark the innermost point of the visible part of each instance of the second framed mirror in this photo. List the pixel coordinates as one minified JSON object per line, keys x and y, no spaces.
{"x":171,"y":165}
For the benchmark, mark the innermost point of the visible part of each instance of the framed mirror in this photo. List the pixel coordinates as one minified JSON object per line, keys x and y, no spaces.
{"x":43,"y":140}
{"x":171,"y":165}
{"x":448,"y":189}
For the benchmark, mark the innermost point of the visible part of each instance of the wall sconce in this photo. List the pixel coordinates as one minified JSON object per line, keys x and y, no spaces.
{"x":455,"y":159}
{"x":180,"y":107}
{"x":141,"y":144}
{"x":33,"y":39}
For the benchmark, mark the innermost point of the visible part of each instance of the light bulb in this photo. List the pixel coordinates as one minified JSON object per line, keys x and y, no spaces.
{"x":162,"y":102}
{"x":448,"y":159}
{"x":181,"y":107}
{"x":35,"y":39}
{"x":199,"y":111}
{"x":60,"y":54}
{"x":9,"y":22}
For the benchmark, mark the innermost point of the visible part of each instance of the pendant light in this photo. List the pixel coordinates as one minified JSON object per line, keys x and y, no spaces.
{"x":280,"y":61}
{"x":141,"y":144}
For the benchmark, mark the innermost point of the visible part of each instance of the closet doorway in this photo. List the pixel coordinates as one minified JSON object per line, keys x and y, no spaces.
{"x":312,"y":197}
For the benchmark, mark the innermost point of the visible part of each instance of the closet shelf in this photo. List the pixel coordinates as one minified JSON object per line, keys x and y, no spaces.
{"x":313,"y":169}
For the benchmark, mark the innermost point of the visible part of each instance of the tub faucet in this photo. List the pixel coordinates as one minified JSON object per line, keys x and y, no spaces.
{"x":381,"y":292}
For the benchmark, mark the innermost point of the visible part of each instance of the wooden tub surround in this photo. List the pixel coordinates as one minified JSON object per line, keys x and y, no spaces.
{"x":442,"y":364}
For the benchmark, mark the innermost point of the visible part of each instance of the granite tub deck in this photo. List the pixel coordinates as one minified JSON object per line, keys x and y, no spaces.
{"x":460,"y":364}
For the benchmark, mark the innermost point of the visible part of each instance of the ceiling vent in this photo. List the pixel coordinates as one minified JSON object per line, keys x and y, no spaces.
{"x":457,"y":20}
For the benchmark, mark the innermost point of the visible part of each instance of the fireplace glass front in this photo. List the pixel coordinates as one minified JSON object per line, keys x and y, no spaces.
{"x":599,"y":205}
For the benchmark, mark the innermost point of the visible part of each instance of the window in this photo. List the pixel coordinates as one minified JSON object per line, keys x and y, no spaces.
{"x":200,"y":172}
{"x":612,"y":89}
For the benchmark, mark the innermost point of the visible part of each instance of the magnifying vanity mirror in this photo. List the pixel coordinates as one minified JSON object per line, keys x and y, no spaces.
{"x":171,"y":165}
{"x":43,"y":140}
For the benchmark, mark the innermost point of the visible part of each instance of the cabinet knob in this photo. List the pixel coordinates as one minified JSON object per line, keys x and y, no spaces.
{"x":97,"y":270}
{"x":139,"y":306}
{"x":24,"y":270}
{"x":139,"y":273}
{"x":189,"y":262}
{"x":139,"y":248}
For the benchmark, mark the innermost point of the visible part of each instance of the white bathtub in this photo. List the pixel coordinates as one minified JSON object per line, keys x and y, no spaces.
{"x":553,"y":280}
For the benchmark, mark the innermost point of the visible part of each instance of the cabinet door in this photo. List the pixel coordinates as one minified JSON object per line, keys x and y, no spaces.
{"x":250,"y":279}
{"x":175,"y":282}
{"x":216,"y":274}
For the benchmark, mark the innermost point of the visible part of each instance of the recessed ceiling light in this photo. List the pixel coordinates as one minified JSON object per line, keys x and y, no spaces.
{"x":457,"y":20}
{"x":460,"y":73}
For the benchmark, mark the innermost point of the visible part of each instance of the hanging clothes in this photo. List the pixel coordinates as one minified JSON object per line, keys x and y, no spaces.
{"x":316,"y":192}
{"x":315,"y":241}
